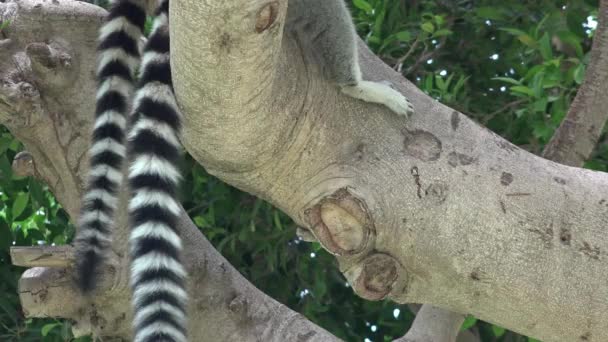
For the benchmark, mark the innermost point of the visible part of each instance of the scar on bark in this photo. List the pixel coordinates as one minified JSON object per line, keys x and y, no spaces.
{"x":341,"y":222}
{"x":506,"y":179}
{"x":455,"y":159}
{"x":565,"y":236}
{"x":416,"y":174}
{"x":503,"y":206}
{"x":421,"y":145}
{"x":455,"y":120}
{"x":266,"y":16}
{"x":560,"y":180}
{"x":436,"y":193}
{"x":375,"y":277}
{"x":592,"y":252}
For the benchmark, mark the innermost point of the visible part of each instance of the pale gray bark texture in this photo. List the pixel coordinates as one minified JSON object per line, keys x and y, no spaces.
{"x":437,"y":325}
{"x":46,"y":100}
{"x":580,"y":130}
{"x":438,"y":209}
{"x":572,"y":144}
{"x":432,"y":210}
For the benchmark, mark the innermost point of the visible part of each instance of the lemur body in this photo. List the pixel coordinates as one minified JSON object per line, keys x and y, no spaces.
{"x":157,"y":274}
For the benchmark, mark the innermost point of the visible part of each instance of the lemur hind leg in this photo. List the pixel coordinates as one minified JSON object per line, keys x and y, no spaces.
{"x":327,"y":26}
{"x":376,"y":92}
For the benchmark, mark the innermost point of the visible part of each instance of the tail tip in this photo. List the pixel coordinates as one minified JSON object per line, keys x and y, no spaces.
{"x":87,"y":266}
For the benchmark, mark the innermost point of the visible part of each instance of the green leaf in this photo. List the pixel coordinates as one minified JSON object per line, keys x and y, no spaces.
{"x":404,"y":36}
{"x":439,"y":20}
{"x":374,"y":40}
{"x":527,"y":40}
{"x":540,"y":106}
{"x":200,"y":222}
{"x":498,"y":331}
{"x":363,"y":5}
{"x":507,"y":80}
{"x":6,"y":235}
{"x":37,"y":193}
{"x":428,"y":27}
{"x":570,"y":39}
{"x":490,"y":12}
{"x":545,"y":47}
{"x":5,"y":142}
{"x":379,"y":20}
{"x":579,"y":73}
{"x":20,"y":204}
{"x":542,"y":131}
{"x":459,"y":84}
{"x":4,"y":24}
{"x":48,"y":327}
{"x":468,"y":323}
{"x":442,"y":32}
{"x":523,"y":90}
{"x":515,"y":32}
{"x":277,"y":220}
{"x":522,"y":36}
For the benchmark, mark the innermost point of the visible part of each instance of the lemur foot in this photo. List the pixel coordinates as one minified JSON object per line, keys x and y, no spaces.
{"x":380,"y":93}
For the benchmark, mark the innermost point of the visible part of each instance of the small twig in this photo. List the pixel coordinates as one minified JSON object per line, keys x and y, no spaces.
{"x":399,"y":63}
{"x":502,"y":109}
{"x":425,"y":56}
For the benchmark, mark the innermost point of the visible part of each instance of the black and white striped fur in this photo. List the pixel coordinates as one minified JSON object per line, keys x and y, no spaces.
{"x":157,"y":274}
{"x":118,"y":60}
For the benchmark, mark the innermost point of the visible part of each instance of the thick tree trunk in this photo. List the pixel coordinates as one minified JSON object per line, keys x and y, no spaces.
{"x":431,"y":210}
{"x":46,"y":100}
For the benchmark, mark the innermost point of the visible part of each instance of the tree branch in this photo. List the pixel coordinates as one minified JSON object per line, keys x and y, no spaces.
{"x":51,"y":42}
{"x":438,"y":209}
{"x":434,"y":324}
{"x":42,"y":256}
{"x":433,"y":210}
{"x":579,"y":132}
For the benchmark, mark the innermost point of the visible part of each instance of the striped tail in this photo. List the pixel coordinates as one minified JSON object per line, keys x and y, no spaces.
{"x":157,"y":274}
{"x":118,"y":60}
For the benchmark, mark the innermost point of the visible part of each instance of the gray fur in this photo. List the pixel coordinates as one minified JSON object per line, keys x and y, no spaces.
{"x":326,"y":26}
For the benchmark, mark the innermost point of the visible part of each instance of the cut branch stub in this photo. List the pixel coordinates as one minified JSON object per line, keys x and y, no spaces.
{"x":266,"y":16}
{"x":23,"y":164}
{"x":42,"y":292}
{"x":341,"y":223}
{"x":374,"y":277}
{"x":51,"y":64}
{"x":23,"y":99}
{"x":39,"y":256}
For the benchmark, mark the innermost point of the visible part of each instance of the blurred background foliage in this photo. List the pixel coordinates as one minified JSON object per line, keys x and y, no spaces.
{"x":511,"y":65}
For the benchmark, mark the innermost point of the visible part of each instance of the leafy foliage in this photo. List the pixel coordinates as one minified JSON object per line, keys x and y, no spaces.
{"x":512,"y":65}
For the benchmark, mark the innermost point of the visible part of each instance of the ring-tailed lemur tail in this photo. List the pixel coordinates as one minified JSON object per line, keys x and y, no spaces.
{"x":157,"y":273}
{"x":157,"y":276}
{"x":118,"y":60}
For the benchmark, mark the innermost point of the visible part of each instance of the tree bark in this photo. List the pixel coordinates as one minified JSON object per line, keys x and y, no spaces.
{"x":572,"y":144}
{"x":431,"y":210}
{"x":46,"y":100}
{"x":580,"y":130}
